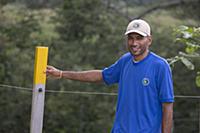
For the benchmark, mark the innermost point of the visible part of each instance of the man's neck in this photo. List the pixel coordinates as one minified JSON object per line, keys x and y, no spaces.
{"x":141,"y":57}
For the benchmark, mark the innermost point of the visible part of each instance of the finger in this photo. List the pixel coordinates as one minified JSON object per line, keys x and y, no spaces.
{"x":48,"y":72}
{"x":48,"y":67}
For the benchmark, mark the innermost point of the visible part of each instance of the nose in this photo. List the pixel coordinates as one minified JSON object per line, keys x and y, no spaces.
{"x":133,"y":42}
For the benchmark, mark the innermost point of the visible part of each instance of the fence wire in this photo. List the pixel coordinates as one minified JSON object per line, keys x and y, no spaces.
{"x":29,"y":89}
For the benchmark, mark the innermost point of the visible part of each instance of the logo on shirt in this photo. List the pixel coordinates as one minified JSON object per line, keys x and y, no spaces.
{"x":145,"y":81}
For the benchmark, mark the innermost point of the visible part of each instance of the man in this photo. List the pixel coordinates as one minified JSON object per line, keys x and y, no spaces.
{"x":145,"y":99}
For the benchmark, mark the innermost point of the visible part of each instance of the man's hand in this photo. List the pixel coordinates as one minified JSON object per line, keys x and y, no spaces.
{"x":53,"y":72}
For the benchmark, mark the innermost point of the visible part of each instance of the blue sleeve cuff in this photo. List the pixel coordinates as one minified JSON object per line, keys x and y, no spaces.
{"x":167,"y":100}
{"x":104,"y":78}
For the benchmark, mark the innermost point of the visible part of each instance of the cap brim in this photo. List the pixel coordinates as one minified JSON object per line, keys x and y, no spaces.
{"x":135,"y":31}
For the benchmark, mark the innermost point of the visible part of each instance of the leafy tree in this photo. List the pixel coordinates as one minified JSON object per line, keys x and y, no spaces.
{"x":16,"y":67}
{"x":188,"y":37}
{"x":90,"y":38}
{"x":188,"y":40}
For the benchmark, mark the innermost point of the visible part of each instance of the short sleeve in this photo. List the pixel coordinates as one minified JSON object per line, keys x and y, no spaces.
{"x":165,"y":83}
{"x":111,"y":74}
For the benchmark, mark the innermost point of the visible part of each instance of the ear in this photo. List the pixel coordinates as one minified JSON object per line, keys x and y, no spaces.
{"x":150,"y":39}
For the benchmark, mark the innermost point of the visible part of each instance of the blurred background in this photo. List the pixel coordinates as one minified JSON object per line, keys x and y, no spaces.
{"x":83,"y":35}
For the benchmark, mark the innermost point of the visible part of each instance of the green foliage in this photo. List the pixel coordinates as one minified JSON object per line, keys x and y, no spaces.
{"x":18,"y":24}
{"x":89,"y":38}
{"x":198,"y":79}
{"x":15,"y":33}
{"x":189,"y":38}
{"x":187,"y":63}
{"x":188,"y":10}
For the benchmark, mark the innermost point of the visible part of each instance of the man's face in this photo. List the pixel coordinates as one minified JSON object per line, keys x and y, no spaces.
{"x":137,"y":44}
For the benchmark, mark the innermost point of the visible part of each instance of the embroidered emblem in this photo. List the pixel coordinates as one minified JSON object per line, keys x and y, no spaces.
{"x":145,"y":81}
{"x":136,"y":25}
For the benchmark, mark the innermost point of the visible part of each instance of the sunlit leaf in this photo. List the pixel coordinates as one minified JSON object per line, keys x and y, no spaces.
{"x":190,"y":50}
{"x":183,"y":27}
{"x":198,"y":81}
{"x":181,"y":40}
{"x":187,"y":63}
{"x":187,"y":35}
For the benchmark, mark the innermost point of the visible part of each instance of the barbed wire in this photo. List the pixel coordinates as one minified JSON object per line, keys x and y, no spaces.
{"x":28,"y":89}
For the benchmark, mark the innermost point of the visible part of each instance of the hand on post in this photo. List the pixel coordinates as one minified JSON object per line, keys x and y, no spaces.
{"x":52,"y":72}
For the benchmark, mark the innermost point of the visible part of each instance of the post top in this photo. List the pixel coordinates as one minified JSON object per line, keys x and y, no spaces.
{"x":41,"y":47}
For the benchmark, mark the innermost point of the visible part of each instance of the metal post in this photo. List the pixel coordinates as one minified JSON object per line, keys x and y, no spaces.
{"x":38,"y":96}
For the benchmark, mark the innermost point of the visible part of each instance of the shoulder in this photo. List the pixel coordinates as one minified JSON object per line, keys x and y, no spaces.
{"x":126,"y":56}
{"x":159,"y":61}
{"x":124,"y":59}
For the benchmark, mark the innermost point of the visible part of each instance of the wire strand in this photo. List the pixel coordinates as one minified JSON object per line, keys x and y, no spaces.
{"x":66,"y":92}
{"x":84,"y":92}
{"x":16,"y":87}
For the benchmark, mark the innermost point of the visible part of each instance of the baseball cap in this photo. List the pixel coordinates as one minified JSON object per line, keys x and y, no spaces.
{"x":138,"y":26}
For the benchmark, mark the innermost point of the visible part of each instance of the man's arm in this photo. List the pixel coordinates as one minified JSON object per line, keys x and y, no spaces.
{"x":84,"y":76}
{"x":167,"y":117}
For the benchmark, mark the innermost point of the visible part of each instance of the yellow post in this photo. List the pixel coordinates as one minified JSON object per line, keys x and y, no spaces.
{"x":41,"y":55}
{"x":39,"y":81}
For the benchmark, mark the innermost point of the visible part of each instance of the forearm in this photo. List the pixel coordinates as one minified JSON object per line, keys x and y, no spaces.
{"x":167,"y":118}
{"x":84,"y":76}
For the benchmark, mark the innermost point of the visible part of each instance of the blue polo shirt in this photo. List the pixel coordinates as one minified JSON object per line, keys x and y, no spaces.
{"x":143,"y":87}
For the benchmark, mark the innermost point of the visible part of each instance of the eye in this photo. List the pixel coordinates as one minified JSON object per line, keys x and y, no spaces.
{"x":135,"y":37}
{"x":130,"y":38}
{"x":139,"y":37}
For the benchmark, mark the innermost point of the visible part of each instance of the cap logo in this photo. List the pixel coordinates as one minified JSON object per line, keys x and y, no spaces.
{"x":136,"y":25}
{"x":145,"y":81}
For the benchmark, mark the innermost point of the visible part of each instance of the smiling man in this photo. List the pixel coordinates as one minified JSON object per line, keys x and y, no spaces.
{"x":145,"y":95}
